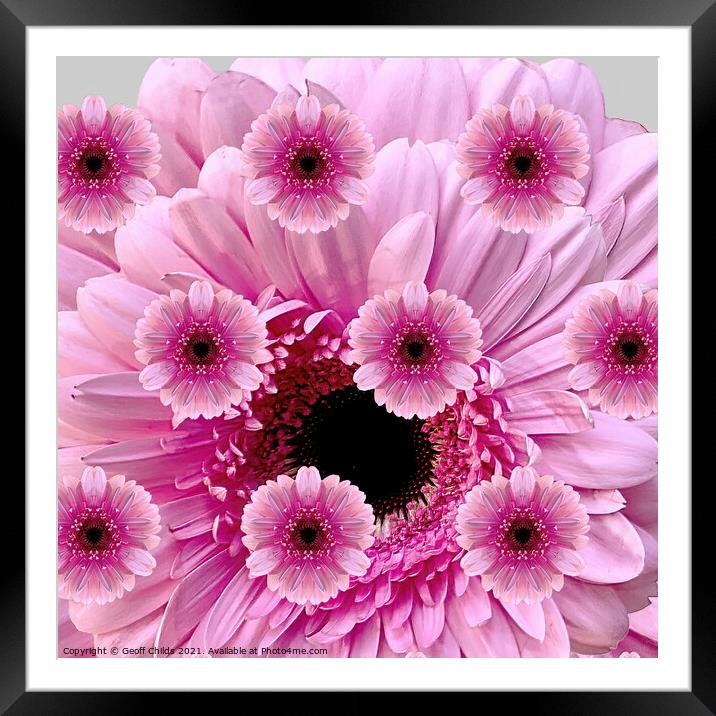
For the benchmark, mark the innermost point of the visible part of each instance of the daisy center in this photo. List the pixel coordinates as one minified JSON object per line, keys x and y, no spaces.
{"x":308,"y":164}
{"x":308,"y":535}
{"x":389,"y":458}
{"x":522,"y":164}
{"x":629,"y":349}
{"x":522,"y":534}
{"x":93,"y":163}
{"x":201,"y":349}
{"x":94,"y":534}
{"x":415,"y":349}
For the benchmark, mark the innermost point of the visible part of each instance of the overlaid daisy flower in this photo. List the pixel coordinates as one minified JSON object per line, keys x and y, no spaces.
{"x":308,"y":534}
{"x":105,"y":159}
{"x":307,"y":162}
{"x":522,"y":535}
{"x":523,"y":163}
{"x":201,"y":350}
{"x":106,"y":530}
{"x":415,"y":349}
{"x":414,"y":598}
{"x":612,"y":340}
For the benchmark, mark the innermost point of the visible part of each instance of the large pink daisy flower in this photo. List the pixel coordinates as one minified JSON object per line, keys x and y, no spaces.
{"x":309,"y":535}
{"x":522,"y":535}
{"x":106,"y":529}
{"x":306,"y":162}
{"x":522,"y":164}
{"x":414,"y":597}
{"x":415,"y":349}
{"x":104,"y":161}
{"x":612,"y":340}
{"x":201,"y":350}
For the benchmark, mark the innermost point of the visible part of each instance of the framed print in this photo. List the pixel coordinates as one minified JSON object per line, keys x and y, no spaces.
{"x":358,"y":356}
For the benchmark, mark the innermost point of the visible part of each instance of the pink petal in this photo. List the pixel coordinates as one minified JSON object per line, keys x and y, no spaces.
{"x":629,"y":169}
{"x":308,"y":485}
{"x":423,"y":89}
{"x":348,"y":78}
{"x":403,"y":254}
{"x":615,"y":454}
{"x":146,"y":249}
{"x":73,"y":269}
{"x":404,"y":182}
{"x":231,"y":102}
{"x":110,"y":307}
{"x":512,"y":300}
{"x":509,"y":78}
{"x":574,"y":87}
{"x":78,"y":351}
{"x":207,"y":233}
{"x":276,"y":72}
{"x":595,"y":618}
{"x":541,"y":365}
{"x":548,"y":411}
{"x":528,"y":617}
{"x":614,"y":552}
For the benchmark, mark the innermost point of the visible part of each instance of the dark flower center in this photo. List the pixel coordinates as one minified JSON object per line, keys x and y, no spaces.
{"x":308,"y":535}
{"x":630,"y":349}
{"x":93,"y":163}
{"x":201,"y":349}
{"x":522,"y":164}
{"x":522,"y":535}
{"x":415,"y":349}
{"x":389,"y":458}
{"x":308,"y":163}
{"x":94,"y":535}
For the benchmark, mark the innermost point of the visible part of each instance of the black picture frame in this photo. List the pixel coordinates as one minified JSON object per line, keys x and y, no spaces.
{"x":699,"y":15}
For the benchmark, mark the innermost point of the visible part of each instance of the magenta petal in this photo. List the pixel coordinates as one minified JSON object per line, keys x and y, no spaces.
{"x":231,"y":102}
{"x":548,"y":411}
{"x":406,"y":83}
{"x":614,"y":552}
{"x":403,"y":254}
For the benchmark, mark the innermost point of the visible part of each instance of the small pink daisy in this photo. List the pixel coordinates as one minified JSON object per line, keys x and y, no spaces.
{"x":106,"y":529}
{"x":522,"y":534}
{"x":612,"y":340}
{"x":522,"y":164}
{"x":104,"y":162}
{"x":415,"y":349}
{"x":201,"y":350}
{"x":308,"y":534}
{"x":307,"y":163}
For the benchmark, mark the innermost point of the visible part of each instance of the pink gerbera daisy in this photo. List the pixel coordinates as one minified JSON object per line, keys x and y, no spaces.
{"x":106,"y":529}
{"x":521,"y":535}
{"x":522,"y":164}
{"x":415,"y":349}
{"x":309,"y":535}
{"x":105,"y":158}
{"x":201,"y":350}
{"x":307,"y":163}
{"x":612,"y":340}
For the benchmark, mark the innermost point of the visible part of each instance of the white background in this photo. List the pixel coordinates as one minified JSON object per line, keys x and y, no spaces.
{"x":670,"y":671}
